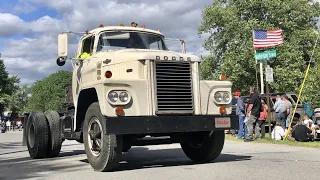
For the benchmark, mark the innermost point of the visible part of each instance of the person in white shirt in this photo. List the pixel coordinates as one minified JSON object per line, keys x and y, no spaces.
{"x":309,"y":123}
{"x":8,"y":124}
{"x":277,"y":132}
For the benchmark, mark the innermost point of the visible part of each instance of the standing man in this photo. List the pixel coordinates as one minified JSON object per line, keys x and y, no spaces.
{"x":253,"y":113}
{"x":280,"y":108}
{"x":288,"y":111}
{"x":240,"y":111}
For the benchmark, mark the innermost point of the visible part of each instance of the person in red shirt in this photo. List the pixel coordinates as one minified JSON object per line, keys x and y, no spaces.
{"x":263,"y":117}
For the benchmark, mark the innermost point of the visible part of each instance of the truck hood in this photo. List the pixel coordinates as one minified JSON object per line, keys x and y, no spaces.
{"x":124,"y":55}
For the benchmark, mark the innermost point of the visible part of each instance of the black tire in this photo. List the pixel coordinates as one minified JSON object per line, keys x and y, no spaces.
{"x":37,"y":135}
{"x":55,"y":137}
{"x":203,"y":147}
{"x":111,"y":145}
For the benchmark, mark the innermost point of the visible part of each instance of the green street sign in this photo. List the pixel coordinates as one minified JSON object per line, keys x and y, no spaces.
{"x":265,"y":55}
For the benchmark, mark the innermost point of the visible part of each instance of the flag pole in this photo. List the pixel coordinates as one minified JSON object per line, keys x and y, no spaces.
{"x":261,"y":70}
{"x":254,"y":51}
{"x":261,"y":78}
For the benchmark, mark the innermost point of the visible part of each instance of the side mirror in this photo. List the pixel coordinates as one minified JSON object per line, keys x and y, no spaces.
{"x":61,"y":61}
{"x":63,"y":45}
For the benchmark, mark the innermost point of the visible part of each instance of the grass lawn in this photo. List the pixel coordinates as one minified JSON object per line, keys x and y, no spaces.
{"x":268,"y":140}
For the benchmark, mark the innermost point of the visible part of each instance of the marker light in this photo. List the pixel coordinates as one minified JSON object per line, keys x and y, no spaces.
{"x":121,"y":24}
{"x":143,"y":26}
{"x":101,"y":25}
{"x":108,"y":74}
{"x":222,"y":110}
{"x":119,"y":110}
{"x":222,"y":77}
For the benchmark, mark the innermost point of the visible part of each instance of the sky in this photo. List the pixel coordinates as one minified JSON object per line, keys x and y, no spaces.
{"x":29,"y":28}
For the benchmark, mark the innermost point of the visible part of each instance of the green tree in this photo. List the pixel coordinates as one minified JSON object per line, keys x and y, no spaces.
{"x":230,"y":25}
{"x":49,"y":93}
{"x":8,"y":87}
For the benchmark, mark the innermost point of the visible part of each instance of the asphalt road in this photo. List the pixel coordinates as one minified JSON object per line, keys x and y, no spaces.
{"x":238,"y":161}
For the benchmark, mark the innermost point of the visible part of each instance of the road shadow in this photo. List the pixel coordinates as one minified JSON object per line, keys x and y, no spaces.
{"x":26,"y":167}
{"x":20,"y":148}
{"x":10,"y":145}
{"x":68,"y":161}
{"x":142,"y":158}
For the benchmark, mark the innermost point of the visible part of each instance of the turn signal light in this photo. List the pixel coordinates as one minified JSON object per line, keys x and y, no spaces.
{"x":223,"y":110}
{"x":108,"y":74}
{"x":119,"y":110}
{"x":222,"y":77}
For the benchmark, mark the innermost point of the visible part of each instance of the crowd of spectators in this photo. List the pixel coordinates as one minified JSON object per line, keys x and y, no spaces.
{"x":253,"y":115}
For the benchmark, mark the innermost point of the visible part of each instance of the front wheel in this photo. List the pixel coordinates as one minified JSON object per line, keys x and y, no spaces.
{"x":103,"y":150}
{"x":203,"y":146}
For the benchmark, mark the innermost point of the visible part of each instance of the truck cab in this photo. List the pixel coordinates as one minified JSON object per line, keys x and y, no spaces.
{"x":128,"y":88}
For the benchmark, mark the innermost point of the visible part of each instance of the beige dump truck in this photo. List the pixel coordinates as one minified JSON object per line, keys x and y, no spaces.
{"x":129,"y":90}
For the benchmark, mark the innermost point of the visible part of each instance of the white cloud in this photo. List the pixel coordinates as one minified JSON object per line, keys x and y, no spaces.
{"x":24,"y":7}
{"x":46,"y":25}
{"x":36,"y":54}
{"x":10,"y":24}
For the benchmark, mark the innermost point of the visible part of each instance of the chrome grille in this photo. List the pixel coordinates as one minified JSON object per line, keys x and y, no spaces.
{"x":174,"y":87}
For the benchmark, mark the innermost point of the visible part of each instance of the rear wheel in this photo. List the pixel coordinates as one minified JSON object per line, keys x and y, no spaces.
{"x":55,"y":138}
{"x":103,"y":150}
{"x":203,"y":146}
{"x":37,"y":135}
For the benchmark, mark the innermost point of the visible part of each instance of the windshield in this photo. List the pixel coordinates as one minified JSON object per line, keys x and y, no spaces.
{"x":127,"y":39}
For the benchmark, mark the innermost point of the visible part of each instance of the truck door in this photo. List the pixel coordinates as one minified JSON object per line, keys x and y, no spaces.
{"x":88,"y":68}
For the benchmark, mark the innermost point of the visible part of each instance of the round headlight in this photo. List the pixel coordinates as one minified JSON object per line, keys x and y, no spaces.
{"x":218,"y":97}
{"x":124,"y":96}
{"x":226,"y":97}
{"x":113,"y":96}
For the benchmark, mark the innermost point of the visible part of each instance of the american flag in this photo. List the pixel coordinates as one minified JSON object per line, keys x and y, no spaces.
{"x":267,"y":38}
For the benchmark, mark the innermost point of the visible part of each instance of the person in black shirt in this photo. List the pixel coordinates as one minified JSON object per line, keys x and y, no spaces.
{"x":301,"y":132}
{"x":253,"y":112}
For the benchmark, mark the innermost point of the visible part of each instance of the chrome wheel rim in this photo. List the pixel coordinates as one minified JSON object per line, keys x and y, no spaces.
{"x":95,"y":138}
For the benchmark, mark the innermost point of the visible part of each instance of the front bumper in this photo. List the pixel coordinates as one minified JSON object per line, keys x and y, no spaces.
{"x":169,"y":124}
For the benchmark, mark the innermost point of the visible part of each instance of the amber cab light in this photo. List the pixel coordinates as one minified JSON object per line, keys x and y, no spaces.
{"x":101,"y":25}
{"x":222,"y":110}
{"x":108,"y":74}
{"x":119,"y":110}
{"x":223,"y":77}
